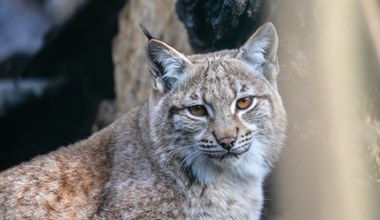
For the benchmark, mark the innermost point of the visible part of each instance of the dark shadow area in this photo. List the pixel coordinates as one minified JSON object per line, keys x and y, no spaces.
{"x":50,"y":99}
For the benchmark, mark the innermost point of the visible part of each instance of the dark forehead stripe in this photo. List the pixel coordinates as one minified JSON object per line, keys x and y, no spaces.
{"x":194,"y":96}
{"x":206,"y":68}
{"x":243,"y":88}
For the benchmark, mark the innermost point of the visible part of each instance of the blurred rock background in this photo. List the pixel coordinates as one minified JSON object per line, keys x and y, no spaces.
{"x":70,"y":67}
{"x":132,"y":78}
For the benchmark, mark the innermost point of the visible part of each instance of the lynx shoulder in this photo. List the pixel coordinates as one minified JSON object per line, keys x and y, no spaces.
{"x":199,"y":148}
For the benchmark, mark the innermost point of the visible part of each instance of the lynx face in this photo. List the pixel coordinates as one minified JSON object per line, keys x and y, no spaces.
{"x":219,"y":113}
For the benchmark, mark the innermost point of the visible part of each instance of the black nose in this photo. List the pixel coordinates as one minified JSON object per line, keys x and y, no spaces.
{"x":227,"y":142}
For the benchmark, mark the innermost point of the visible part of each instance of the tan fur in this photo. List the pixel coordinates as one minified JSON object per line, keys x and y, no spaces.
{"x":160,"y":161}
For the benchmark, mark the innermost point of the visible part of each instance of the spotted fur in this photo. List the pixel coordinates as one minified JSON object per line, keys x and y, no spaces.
{"x":162,"y":160}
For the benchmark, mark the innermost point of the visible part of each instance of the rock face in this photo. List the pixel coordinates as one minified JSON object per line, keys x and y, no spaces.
{"x":132,"y":76}
{"x":219,"y":24}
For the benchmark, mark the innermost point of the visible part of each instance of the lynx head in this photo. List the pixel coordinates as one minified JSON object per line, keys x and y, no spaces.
{"x":219,"y":114}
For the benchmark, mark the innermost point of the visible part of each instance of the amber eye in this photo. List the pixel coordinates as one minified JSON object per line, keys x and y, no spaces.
{"x":244,"y":103}
{"x":198,"y":110}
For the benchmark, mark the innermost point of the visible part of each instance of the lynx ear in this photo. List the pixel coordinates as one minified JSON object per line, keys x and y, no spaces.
{"x":260,"y":51}
{"x":165,"y":64}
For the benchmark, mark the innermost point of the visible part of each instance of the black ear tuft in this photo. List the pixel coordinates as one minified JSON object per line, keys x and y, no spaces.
{"x":146,"y":32}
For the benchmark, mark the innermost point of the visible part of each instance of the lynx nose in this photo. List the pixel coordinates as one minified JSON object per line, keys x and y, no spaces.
{"x":227,"y":142}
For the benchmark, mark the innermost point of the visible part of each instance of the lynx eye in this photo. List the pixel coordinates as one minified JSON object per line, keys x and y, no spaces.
{"x":198,"y":110}
{"x":244,"y":103}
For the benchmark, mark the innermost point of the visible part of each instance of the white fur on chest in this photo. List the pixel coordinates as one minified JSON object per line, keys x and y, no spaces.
{"x":226,"y":199}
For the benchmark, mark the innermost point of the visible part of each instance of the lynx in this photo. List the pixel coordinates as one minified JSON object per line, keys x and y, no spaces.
{"x":199,"y":148}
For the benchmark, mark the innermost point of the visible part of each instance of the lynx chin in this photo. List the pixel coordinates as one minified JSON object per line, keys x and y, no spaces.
{"x":199,"y":148}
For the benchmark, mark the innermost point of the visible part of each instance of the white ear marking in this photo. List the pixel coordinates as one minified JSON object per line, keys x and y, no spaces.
{"x":166,"y":64}
{"x":260,"y":51}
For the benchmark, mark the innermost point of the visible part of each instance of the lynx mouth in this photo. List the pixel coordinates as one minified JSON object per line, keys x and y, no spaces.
{"x":227,"y":155}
